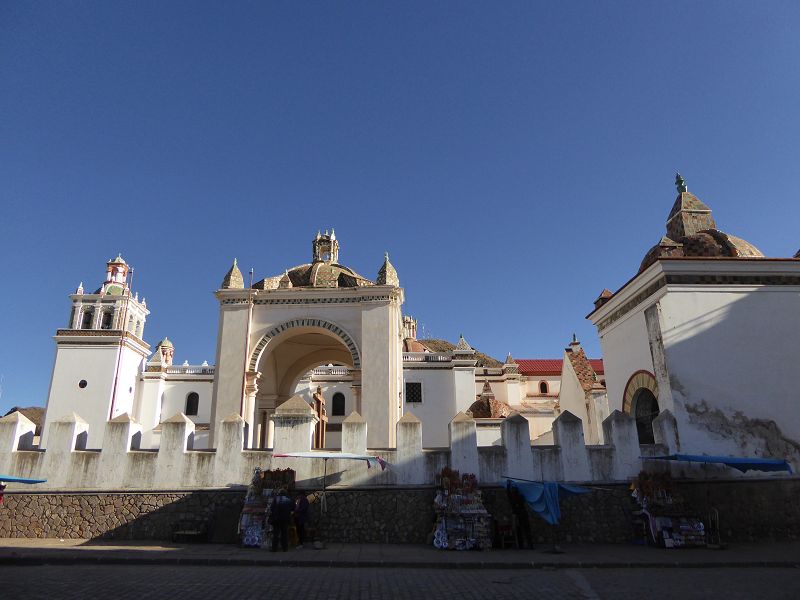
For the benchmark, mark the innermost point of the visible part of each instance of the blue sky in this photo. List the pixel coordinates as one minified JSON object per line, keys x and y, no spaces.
{"x":514,"y":158}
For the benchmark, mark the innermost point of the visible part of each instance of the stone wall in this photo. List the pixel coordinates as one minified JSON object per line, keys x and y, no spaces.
{"x":749,"y":511}
{"x":376,"y":516}
{"x":124,"y":516}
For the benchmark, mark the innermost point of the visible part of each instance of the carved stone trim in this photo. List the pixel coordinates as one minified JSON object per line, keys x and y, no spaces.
{"x":319,"y":323}
{"x":637,"y":381}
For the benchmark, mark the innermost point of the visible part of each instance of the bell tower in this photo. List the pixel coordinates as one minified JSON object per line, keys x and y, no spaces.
{"x":325,"y":248}
{"x":99,"y":354}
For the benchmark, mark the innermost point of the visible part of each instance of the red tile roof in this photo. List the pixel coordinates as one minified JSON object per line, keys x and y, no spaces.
{"x":551,"y":366}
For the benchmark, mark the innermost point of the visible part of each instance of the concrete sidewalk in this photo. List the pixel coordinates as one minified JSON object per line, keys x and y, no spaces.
{"x":19,"y":551}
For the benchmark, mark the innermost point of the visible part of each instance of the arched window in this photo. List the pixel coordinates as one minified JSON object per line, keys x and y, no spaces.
{"x":108,"y":318}
{"x":337,"y":405}
{"x":88,"y":317}
{"x":543,"y":389}
{"x":192,"y":403}
{"x":645,"y":409}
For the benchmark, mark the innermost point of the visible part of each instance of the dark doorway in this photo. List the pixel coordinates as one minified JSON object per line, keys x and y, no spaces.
{"x":645,"y":409}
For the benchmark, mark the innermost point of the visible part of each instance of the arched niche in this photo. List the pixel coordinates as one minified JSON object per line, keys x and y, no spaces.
{"x":640,"y":400}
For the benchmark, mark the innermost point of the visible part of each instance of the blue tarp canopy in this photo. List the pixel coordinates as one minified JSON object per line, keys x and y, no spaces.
{"x":543,"y":496}
{"x":11,"y":479}
{"x":735,"y":462}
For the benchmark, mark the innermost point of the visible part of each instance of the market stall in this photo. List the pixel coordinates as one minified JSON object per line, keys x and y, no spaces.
{"x":668,"y":521}
{"x":462,"y":521}
{"x":254,"y":526}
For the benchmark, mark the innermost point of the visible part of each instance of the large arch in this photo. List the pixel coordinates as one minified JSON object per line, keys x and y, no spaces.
{"x":333,"y":328}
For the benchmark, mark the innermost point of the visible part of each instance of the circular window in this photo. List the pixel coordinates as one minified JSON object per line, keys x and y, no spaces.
{"x":82,"y":383}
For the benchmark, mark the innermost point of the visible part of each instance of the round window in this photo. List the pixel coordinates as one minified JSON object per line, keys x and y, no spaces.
{"x":82,"y":383}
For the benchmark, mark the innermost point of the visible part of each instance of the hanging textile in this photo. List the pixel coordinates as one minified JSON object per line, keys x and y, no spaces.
{"x":735,"y":462}
{"x":543,"y":497}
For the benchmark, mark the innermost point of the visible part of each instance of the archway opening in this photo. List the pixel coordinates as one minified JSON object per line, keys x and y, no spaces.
{"x":645,"y":410}
{"x":289,"y":365}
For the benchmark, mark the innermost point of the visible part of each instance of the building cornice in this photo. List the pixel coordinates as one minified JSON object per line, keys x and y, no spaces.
{"x":101,"y":337}
{"x":668,"y":272}
{"x":310,"y":296}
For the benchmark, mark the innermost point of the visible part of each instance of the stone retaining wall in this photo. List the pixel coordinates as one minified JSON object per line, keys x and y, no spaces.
{"x":749,"y":511}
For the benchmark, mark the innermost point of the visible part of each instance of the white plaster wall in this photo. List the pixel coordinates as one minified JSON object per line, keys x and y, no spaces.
{"x":625,"y":350}
{"x":499,"y":388}
{"x":174,"y":399}
{"x":733,"y":350}
{"x":488,"y":433}
{"x":380,"y":367}
{"x":464,"y":389}
{"x":230,"y":362}
{"x":95,"y":364}
{"x":438,"y":406}
{"x":540,"y":424}
{"x":173,"y":467}
{"x":130,"y":366}
{"x":148,"y":412}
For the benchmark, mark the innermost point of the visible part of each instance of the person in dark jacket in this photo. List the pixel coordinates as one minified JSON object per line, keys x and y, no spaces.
{"x":300,"y":518}
{"x":520,"y":510}
{"x":279,"y":516}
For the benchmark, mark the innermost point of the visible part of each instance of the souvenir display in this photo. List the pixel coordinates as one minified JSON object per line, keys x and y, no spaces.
{"x":462,"y":522}
{"x":254,"y":526}
{"x":668,"y":521}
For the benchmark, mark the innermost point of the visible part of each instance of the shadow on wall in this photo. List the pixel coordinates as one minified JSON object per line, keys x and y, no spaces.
{"x":120,"y":516}
{"x":733,"y":376}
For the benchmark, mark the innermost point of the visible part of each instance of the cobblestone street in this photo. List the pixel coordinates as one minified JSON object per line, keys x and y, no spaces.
{"x":121,"y":582}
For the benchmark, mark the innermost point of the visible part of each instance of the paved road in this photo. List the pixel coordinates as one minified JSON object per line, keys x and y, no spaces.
{"x":120,"y":582}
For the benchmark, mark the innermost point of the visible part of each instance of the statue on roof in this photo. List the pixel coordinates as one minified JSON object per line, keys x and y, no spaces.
{"x":680,"y":183}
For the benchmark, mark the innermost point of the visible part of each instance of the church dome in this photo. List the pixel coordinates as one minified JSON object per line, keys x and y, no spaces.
{"x":710,"y":243}
{"x":692,"y":232}
{"x":323,"y":272}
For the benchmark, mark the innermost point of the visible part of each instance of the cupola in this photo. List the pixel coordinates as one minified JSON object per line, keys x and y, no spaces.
{"x":325,"y":247}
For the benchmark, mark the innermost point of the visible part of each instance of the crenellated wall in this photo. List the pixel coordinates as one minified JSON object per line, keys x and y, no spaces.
{"x":68,"y":465}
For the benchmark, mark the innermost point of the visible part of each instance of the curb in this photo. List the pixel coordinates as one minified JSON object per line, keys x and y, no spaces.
{"x":15,"y":559}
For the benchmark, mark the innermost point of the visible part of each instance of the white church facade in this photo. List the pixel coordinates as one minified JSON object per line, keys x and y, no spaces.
{"x":699,"y":357}
{"x":319,"y":330}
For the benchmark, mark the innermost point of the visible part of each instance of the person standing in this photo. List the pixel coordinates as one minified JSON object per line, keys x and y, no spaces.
{"x":300,"y":517}
{"x":520,"y":511}
{"x":279,"y":517}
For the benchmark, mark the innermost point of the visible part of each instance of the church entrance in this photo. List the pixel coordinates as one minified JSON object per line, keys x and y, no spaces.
{"x":315,"y":363}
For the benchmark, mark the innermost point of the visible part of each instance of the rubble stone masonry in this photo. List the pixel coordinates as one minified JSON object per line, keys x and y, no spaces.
{"x":752,"y":510}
